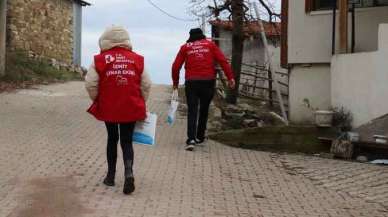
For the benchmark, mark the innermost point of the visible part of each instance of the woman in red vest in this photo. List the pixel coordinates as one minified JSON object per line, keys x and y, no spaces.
{"x":199,"y":56}
{"x":119,"y":86}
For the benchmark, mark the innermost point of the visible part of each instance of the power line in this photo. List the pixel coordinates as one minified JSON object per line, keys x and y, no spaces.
{"x":170,"y":15}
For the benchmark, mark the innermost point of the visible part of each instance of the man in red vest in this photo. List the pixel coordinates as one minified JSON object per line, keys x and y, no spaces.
{"x":119,"y":86}
{"x":199,"y":56}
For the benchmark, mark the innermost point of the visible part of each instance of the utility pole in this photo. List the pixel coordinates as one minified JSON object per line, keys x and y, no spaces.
{"x":271,"y":65}
{"x":203,"y":25}
{"x":237,"y":47}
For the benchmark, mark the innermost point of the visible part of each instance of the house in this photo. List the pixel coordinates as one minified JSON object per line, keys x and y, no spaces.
{"x":254,"y":50}
{"x":336,"y":59}
{"x":46,"y":28}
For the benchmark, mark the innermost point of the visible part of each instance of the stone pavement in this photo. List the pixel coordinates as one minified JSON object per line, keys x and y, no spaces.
{"x":52,"y":161}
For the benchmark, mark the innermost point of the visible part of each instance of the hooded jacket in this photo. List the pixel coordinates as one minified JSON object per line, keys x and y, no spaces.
{"x":114,"y":37}
{"x":199,"y":58}
{"x":119,"y":74}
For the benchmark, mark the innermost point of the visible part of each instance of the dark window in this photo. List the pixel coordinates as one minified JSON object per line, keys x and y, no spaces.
{"x":323,"y":4}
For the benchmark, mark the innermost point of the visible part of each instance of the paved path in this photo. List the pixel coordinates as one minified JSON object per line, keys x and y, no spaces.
{"x":52,"y":161}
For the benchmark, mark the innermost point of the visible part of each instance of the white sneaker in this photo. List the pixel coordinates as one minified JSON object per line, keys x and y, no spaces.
{"x":190,"y":145}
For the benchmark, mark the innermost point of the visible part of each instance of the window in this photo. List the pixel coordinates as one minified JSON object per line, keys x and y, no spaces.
{"x":318,"y":5}
{"x":323,"y":4}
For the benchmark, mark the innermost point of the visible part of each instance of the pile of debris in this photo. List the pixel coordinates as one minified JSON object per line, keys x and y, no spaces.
{"x":241,"y":116}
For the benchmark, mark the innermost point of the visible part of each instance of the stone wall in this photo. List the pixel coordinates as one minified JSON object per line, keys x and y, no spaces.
{"x":3,"y":12}
{"x":43,"y":27}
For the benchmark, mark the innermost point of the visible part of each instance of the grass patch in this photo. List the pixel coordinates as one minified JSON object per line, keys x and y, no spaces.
{"x":21,"y":70}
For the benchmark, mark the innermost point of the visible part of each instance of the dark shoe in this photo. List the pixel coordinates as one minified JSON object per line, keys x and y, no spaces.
{"x":190,"y":145}
{"x":129,"y":186}
{"x":109,"y":180}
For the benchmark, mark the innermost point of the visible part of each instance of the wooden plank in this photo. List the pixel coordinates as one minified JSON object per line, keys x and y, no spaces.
{"x":343,"y":25}
{"x":309,"y":6}
{"x":284,"y":35}
{"x":262,"y":99}
{"x":262,"y":88}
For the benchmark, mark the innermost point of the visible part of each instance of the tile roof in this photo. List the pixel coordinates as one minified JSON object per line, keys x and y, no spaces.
{"x":251,"y":27}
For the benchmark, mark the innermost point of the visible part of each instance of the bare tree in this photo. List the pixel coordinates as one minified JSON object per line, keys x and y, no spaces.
{"x":238,"y":12}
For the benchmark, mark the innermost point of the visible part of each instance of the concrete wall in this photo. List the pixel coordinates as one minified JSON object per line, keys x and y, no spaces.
{"x":3,"y":35}
{"x":310,"y":35}
{"x":77,"y":24}
{"x":44,"y":27}
{"x":359,"y":81}
{"x":309,"y":82}
{"x":253,"y":48}
{"x":254,"y":54}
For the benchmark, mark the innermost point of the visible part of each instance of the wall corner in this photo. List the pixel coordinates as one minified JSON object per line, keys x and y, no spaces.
{"x":383,"y":37}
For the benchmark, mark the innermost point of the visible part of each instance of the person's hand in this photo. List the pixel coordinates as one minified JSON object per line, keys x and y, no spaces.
{"x":232,"y":84}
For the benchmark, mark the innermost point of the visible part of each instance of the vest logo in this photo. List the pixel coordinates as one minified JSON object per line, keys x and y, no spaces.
{"x":121,"y":81}
{"x":109,"y":59}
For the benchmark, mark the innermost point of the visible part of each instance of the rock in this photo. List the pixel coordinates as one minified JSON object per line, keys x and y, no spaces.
{"x":215,"y":126}
{"x":260,"y":123}
{"x":246,"y":107}
{"x":249,"y":123}
{"x":232,"y":108}
{"x":362,"y":159}
{"x":217,"y":113}
{"x":234,"y":115}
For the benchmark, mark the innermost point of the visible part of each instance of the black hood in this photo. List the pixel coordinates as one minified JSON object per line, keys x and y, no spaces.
{"x":195,"y":35}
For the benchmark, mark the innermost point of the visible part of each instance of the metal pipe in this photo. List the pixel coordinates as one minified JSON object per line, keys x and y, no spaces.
{"x":333,"y":45}
{"x":353,"y":27}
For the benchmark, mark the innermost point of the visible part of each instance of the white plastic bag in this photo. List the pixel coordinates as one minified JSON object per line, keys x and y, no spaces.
{"x":173,"y":108}
{"x":145,"y":131}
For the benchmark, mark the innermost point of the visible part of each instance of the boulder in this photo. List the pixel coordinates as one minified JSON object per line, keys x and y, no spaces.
{"x":250,"y":123}
{"x":362,"y":159}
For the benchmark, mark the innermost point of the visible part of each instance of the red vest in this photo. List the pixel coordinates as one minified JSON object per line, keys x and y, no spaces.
{"x":119,"y":94}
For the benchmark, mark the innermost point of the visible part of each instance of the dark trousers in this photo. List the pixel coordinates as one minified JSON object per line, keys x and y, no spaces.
{"x":124,"y":132}
{"x":199,"y":94}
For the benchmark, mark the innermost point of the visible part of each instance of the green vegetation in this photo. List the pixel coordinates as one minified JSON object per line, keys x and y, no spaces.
{"x":22,"y":69}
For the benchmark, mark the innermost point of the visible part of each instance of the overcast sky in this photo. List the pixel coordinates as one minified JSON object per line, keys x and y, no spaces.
{"x":153,"y":34}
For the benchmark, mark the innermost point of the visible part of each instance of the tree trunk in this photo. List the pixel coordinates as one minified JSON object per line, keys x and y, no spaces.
{"x":237,"y":47}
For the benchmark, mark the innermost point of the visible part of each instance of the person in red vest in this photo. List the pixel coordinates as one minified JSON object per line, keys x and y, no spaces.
{"x":119,"y":87}
{"x":199,"y":56}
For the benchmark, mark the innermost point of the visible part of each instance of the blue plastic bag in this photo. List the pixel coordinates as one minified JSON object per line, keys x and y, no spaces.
{"x":173,"y":108}
{"x":145,"y":131}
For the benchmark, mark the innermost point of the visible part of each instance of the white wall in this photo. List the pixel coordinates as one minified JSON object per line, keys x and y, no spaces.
{"x":3,"y":18}
{"x":360,"y":81}
{"x":312,"y":83}
{"x":310,"y":35}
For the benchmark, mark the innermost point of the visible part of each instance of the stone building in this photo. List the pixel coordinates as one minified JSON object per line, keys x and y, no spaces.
{"x":46,"y":28}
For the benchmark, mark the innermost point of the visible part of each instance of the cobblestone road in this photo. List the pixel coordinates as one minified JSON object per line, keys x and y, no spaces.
{"x":52,"y":161}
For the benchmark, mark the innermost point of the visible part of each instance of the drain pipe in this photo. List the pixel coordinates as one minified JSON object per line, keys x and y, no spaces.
{"x":333,"y":45}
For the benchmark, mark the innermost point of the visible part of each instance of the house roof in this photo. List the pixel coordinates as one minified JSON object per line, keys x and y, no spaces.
{"x":82,"y":3}
{"x":251,"y":27}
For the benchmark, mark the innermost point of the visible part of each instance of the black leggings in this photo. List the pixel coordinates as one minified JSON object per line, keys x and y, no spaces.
{"x":126,"y":133}
{"x":199,"y":94}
